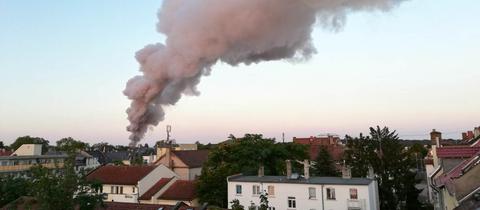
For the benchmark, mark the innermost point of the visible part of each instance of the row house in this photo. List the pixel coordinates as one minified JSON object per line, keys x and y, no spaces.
{"x":294,"y":192}
{"x":146,"y":184}
{"x":453,"y":174}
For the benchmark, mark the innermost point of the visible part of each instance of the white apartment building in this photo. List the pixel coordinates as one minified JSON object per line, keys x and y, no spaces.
{"x":313,"y":193}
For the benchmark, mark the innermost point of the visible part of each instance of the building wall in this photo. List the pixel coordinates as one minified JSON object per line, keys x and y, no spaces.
{"x":301,"y":193}
{"x":129,"y":194}
{"x":29,"y":149}
{"x":194,"y":173}
{"x":158,"y":173}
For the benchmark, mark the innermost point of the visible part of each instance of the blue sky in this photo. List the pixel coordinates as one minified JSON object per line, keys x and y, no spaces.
{"x":64,"y":64}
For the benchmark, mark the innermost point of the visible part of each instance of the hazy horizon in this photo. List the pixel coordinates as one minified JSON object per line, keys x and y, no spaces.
{"x":64,"y":66}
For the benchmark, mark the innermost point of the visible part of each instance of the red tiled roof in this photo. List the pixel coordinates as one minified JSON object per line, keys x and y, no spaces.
{"x":155,"y":188}
{"x":330,"y":143}
{"x":428,"y":161}
{"x":447,"y":178}
{"x":182,"y":190}
{"x":457,"y":151}
{"x":5,"y":152}
{"x":128,"y":175}
{"x":192,"y":158}
{"x":137,"y":206}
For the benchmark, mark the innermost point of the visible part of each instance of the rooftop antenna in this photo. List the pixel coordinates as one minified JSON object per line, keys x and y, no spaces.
{"x":169,"y":130}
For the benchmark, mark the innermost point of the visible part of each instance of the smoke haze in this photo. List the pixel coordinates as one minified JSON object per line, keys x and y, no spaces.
{"x":201,"y":33}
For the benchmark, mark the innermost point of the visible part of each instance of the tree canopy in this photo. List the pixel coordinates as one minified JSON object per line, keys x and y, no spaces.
{"x":324,"y":164}
{"x":392,"y":164}
{"x":71,"y":145}
{"x":244,"y":155}
{"x":29,"y":140}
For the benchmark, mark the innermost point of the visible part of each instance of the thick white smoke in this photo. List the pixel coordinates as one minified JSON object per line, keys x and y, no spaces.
{"x":202,"y":32}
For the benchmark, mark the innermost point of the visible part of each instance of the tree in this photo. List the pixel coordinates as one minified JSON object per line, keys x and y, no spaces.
{"x":236,"y":205}
{"x":245,"y":155}
{"x":12,"y":188}
{"x":103,"y":146}
{"x":29,"y":140}
{"x":63,"y":189}
{"x":263,"y":201}
{"x":71,"y":145}
{"x":1,"y":145}
{"x":324,"y":164}
{"x":391,"y":163}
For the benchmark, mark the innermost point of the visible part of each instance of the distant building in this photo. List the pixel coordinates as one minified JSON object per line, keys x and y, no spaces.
{"x":26,"y":156}
{"x":186,"y":163}
{"x":330,"y":142}
{"x":297,"y":192}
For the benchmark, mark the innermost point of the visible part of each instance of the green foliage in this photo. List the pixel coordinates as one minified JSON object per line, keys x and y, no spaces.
{"x":103,"y":146}
{"x":12,"y":188}
{"x":263,"y":202}
{"x":324,"y":164}
{"x":244,"y":155}
{"x":236,"y":205}
{"x":29,"y":140}
{"x":137,"y":160}
{"x":201,"y":146}
{"x":418,"y":150}
{"x":71,"y":145}
{"x":391,"y":163}
{"x":1,"y":145}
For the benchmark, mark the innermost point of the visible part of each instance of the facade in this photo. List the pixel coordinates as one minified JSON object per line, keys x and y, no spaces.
{"x":128,"y":183}
{"x":453,"y":174}
{"x":186,"y":163}
{"x":26,"y":156}
{"x":314,"y":193}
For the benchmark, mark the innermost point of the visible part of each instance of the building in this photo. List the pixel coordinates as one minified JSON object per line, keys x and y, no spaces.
{"x":330,"y":142}
{"x":453,"y":174}
{"x":85,"y":161}
{"x":27,"y":156}
{"x":128,"y":183}
{"x":303,"y":192}
{"x":186,"y":163}
{"x":168,"y":191}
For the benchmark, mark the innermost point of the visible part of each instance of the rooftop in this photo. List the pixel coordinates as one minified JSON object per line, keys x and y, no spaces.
{"x":183,"y":190}
{"x":155,"y":188}
{"x":192,"y":158}
{"x":312,"y":180}
{"x":127,"y":175}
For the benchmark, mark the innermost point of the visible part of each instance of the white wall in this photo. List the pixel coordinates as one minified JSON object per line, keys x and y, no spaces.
{"x":158,"y":173}
{"x":300,"y":192}
{"x":28,"y":149}
{"x":129,"y":195}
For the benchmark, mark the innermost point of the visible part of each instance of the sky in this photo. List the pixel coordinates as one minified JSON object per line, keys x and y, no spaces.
{"x":64,"y":65}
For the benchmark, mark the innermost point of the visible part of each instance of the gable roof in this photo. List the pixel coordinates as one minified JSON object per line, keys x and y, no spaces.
{"x":127,"y":175}
{"x":192,"y":158}
{"x":457,"y":151}
{"x":182,"y":190}
{"x":155,"y":188}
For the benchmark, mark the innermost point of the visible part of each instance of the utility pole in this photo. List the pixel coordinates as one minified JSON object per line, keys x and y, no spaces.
{"x":283,"y":137}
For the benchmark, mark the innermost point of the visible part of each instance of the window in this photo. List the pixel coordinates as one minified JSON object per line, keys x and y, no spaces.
{"x":353,"y":193}
{"x":239,"y":189}
{"x":271,"y":190}
{"x":133,"y":189}
{"x":292,"y":203}
{"x":330,"y":193}
{"x":121,"y":190}
{"x":312,"y":194}
{"x":256,"y":190}
{"x":271,"y":208}
{"x":111,"y":190}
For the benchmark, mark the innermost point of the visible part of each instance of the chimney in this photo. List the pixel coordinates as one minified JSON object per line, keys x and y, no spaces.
{"x":289,"y":168}
{"x":306,"y":169}
{"x":346,"y":172}
{"x":261,"y":171}
{"x":476,"y":132}
{"x":434,"y":135}
{"x":371,"y":173}
{"x":464,"y":136}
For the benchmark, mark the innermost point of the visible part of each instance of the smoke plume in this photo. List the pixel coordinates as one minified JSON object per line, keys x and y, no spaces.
{"x":200,"y":33}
